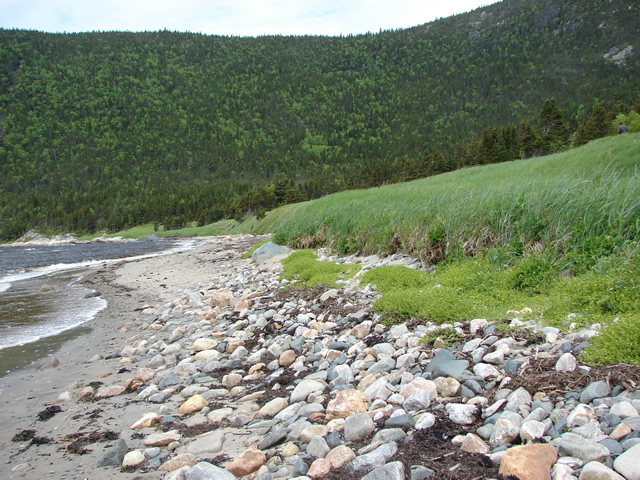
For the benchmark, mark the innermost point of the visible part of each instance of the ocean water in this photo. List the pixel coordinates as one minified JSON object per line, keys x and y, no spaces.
{"x":42,"y":299}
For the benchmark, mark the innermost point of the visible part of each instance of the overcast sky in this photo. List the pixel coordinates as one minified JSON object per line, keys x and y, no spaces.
{"x":228,"y":17}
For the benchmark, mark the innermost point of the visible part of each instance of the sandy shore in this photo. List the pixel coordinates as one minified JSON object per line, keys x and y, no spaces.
{"x":128,"y":288}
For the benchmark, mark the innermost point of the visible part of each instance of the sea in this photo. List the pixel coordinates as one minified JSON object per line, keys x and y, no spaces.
{"x":43,"y":302}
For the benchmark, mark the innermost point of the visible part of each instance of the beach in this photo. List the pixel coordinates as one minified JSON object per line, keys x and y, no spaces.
{"x":206,"y":366}
{"x":128,"y":287}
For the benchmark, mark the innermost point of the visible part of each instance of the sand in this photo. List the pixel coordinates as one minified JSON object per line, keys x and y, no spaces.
{"x":128,"y":287}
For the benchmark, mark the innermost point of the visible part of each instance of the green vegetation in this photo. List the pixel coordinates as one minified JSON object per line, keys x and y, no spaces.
{"x":304,"y":270}
{"x":558,"y":235}
{"x":447,"y":335}
{"x":248,"y":253}
{"x":104,"y":131}
{"x":618,"y":343}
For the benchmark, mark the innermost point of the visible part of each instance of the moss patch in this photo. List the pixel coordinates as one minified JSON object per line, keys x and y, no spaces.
{"x":618,"y":343}
{"x":304,"y":270}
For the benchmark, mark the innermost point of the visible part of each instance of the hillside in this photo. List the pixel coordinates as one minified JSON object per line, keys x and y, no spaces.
{"x":107,"y":130}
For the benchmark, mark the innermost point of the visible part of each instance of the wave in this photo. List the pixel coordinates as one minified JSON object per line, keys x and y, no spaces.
{"x":15,"y":337}
{"x":182,"y":246}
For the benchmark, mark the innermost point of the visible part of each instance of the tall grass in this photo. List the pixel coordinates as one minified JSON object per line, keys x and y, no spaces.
{"x":554,"y":202}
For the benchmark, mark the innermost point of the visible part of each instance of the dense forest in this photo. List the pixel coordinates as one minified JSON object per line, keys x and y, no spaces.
{"x":107,"y":130}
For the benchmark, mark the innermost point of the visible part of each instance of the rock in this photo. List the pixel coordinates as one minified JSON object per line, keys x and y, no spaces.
{"x":517,"y":399}
{"x":340,"y":456}
{"x":369,"y":461}
{"x":444,"y":364}
{"x":504,"y":431}
{"x":162,"y":439}
{"x":273,"y":438}
{"x":627,"y":463}
{"x":390,"y":471}
{"x":485,"y":371}
{"x":231,"y":380}
{"x":419,"y":472}
{"x":420,"y":400}
{"x":248,"y":462}
{"x":184,"y":460}
{"x":148,"y":420}
{"x":202,"y":344}
{"x":192,"y":405}
{"x":474,"y":444}
{"x":595,"y":390}
{"x":347,"y":403}
{"x":273,"y":407}
{"x":531,"y":430}
{"x":205,"y":445}
{"x":318,"y":447}
{"x":134,"y":458}
{"x":358,"y":426}
{"x":587,"y":450}
{"x":304,"y":389}
{"x":85,"y":394}
{"x":461,"y":414}
{"x":110,"y":391}
{"x":64,"y":397}
{"x":529,"y":462}
{"x":114,"y":455}
{"x":320,"y":468}
{"x":623,"y":410}
{"x":287,"y":358}
{"x":207,"y":471}
{"x":566,"y":363}
{"x":267,"y":251}
{"x":447,"y":387}
{"x":598,"y":471}
{"x":426,"y":420}
{"x":309,"y":432}
{"x":145,"y":374}
{"x":405,"y":421}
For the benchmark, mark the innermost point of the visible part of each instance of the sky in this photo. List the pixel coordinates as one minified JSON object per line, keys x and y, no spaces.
{"x":228,"y":17}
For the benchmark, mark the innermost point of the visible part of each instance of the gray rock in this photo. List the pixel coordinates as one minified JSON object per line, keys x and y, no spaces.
{"x":420,"y":400}
{"x":160,"y":397}
{"x":572,"y":445}
{"x":566,"y":363}
{"x":387,"y":435}
{"x":301,"y":468}
{"x":633,"y":423}
{"x":205,"y":445}
{"x":358,"y":426}
{"x":369,"y":461}
{"x":318,"y":447}
{"x":598,"y":471}
{"x":385,"y":365}
{"x":383,"y":350}
{"x":304,"y":389}
{"x":444,"y":364}
{"x":207,"y":471}
{"x":273,"y":438}
{"x":169,"y":380}
{"x":390,"y":471}
{"x":114,"y":455}
{"x":614,"y":447}
{"x":595,"y":390}
{"x":401,"y":421}
{"x":419,"y":472}
{"x":517,"y":399}
{"x":268,"y":251}
{"x":627,"y":463}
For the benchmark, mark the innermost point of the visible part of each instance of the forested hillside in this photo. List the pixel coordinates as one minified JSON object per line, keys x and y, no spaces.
{"x":107,"y":130}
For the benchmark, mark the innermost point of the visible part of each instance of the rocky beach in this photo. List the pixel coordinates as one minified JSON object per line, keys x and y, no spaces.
{"x":204,"y":367}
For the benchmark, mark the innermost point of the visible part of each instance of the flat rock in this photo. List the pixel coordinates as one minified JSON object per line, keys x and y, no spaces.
{"x":369,"y":461}
{"x":162,"y":439}
{"x":304,"y":389}
{"x":273,"y":407}
{"x":529,"y":462}
{"x":179,"y":461}
{"x":444,"y":364}
{"x":340,"y":456}
{"x":461,"y":413}
{"x":390,"y":471}
{"x":598,"y":471}
{"x":205,"y":445}
{"x":207,"y":471}
{"x":148,"y":420}
{"x":587,"y":450}
{"x":595,"y":390}
{"x":627,"y":464}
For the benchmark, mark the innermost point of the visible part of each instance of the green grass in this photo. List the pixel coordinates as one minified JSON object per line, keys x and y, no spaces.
{"x":304,"y":270}
{"x":559,"y":202}
{"x":249,"y":253}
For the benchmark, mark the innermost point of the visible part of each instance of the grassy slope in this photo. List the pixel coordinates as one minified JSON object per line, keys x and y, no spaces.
{"x":585,"y":192}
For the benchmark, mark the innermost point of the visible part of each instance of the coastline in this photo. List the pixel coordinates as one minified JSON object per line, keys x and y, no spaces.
{"x":128,"y":286}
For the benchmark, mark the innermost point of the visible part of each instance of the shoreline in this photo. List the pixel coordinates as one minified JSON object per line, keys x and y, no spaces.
{"x":128,"y":286}
{"x":202,"y":366}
